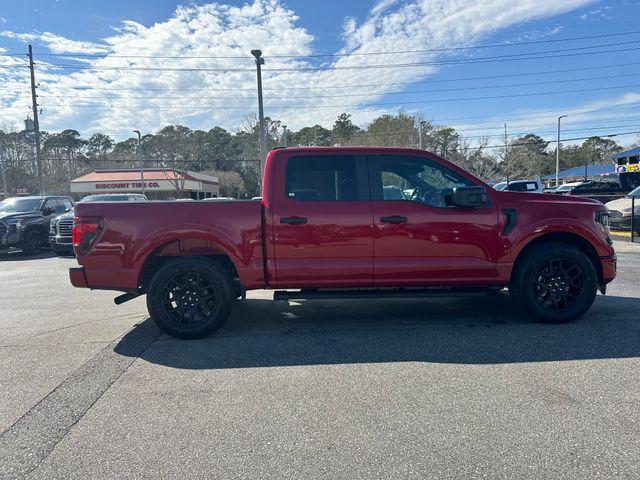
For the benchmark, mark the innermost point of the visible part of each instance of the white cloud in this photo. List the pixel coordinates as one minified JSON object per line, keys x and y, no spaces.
{"x":612,"y":114}
{"x":56,"y":43}
{"x":231,"y":31}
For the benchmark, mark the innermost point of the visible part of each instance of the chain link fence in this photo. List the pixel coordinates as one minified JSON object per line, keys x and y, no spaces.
{"x":625,"y":218}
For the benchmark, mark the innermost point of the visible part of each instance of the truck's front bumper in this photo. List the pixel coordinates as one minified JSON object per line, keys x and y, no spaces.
{"x":58,"y":241}
{"x":609,"y":268}
{"x":77,"y":277}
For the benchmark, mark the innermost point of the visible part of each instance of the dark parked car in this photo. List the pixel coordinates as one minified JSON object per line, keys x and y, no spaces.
{"x":24,"y":221}
{"x":61,"y":226}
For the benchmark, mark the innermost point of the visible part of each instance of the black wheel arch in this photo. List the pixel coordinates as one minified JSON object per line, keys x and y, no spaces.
{"x":567,"y":238}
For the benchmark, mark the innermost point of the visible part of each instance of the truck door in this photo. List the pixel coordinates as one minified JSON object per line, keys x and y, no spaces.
{"x":418,"y":238}
{"x":322,"y":222}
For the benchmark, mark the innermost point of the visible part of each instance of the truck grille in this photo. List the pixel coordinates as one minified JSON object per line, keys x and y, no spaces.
{"x":3,"y":229}
{"x":64,"y":228}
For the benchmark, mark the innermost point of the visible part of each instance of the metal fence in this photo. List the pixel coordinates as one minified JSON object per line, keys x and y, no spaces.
{"x":625,"y":218}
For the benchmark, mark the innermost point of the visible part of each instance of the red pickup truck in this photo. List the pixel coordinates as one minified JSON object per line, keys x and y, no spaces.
{"x":343,"y":223}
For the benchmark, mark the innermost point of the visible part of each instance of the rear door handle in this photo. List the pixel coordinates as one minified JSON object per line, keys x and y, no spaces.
{"x":293,"y":220}
{"x":394,"y":219}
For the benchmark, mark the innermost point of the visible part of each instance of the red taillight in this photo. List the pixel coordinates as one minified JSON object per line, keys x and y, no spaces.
{"x":83,"y":233}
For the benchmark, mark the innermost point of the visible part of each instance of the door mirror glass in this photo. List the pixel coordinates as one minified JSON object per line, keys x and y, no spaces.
{"x":48,"y":211}
{"x":469,"y":197}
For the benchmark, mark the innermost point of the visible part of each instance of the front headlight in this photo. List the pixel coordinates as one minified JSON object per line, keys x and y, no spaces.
{"x":13,"y":221}
{"x":602,"y":220}
{"x":52,"y":226}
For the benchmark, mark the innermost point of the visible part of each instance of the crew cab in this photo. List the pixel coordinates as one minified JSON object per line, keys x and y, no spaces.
{"x":325,"y":229}
{"x":24,"y":221}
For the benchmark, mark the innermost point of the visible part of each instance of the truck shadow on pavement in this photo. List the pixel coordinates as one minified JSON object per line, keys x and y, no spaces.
{"x":482,"y":330}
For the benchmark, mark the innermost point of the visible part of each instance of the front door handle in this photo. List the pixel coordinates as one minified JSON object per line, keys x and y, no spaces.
{"x":293,"y":220}
{"x":394,"y":219}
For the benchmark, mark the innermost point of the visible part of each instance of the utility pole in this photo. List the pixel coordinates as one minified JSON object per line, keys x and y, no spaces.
{"x":3,"y":166}
{"x":506,"y":151}
{"x":141,"y":162}
{"x":36,"y":124}
{"x":284,"y":136}
{"x":420,"y":135}
{"x":558,"y":153}
{"x":259,"y":62}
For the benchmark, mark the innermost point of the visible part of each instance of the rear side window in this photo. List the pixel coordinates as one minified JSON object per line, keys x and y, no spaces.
{"x":322,"y":178}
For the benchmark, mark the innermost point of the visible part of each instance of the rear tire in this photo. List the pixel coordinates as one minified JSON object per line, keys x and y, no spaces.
{"x":190,"y":297}
{"x":554,"y":282}
{"x":32,"y":242}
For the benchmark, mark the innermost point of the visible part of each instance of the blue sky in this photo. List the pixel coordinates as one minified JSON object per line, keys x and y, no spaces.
{"x":431,"y":71}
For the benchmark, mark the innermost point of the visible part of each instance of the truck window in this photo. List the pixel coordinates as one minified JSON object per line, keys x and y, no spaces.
{"x":523,"y":187}
{"x":51,"y":204}
{"x":321,"y":178}
{"x":420,"y":179}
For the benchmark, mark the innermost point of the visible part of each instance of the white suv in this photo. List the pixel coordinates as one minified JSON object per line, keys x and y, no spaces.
{"x":529,"y":186}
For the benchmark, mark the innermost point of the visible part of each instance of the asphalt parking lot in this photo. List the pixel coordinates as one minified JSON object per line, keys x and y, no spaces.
{"x":433,"y":388}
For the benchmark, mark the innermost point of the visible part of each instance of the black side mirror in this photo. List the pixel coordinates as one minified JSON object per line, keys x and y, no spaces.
{"x":48,"y":211}
{"x":469,"y":197}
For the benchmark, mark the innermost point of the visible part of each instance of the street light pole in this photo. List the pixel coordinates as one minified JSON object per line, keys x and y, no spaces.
{"x":259,"y":62}
{"x":284,"y":136}
{"x":420,"y":135}
{"x":141,"y":162}
{"x":558,"y":152}
{"x":3,"y":167}
{"x":36,"y":122}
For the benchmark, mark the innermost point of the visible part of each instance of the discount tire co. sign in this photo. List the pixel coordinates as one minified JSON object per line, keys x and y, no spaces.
{"x":125,"y":185}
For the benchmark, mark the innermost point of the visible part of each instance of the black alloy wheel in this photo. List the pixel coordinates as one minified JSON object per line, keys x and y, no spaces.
{"x":32,"y":243}
{"x":558,"y":284}
{"x":190,"y":297}
{"x":554,"y":282}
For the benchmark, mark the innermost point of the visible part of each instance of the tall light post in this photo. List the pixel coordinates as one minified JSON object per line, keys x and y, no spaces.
{"x":284,"y":136}
{"x":140,"y":160}
{"x":558,"y":152}
{"x":420,"y":126}
{"x":259,"y":62}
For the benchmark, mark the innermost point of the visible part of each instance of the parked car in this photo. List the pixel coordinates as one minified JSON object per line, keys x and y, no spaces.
{"x":115,"y":197}
{"x":24,"y":221}
{"x":621,"y":214}
{"x":217,"y":199}
{"x":325,"y":230}
{"x":60,"y":227}
{"x":529,"y":186}
{"x":604,"y":188}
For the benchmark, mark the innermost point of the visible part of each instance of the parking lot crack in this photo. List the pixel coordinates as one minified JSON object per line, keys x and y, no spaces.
{"x":26,"y":443}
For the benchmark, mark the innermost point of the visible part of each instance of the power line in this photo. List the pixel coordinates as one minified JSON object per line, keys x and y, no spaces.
{"x":516,"y":57}
{"x":246,"y":57}
{"x":606,"y":77}
{"x":364,"y":104}
{"x":323,"y":87}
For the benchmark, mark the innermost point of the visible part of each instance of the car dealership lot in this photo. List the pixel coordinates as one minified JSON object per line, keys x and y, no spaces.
{"x":445,"y":387}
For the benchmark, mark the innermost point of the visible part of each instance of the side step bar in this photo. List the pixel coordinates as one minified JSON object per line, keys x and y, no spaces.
{"x":348,"y":294}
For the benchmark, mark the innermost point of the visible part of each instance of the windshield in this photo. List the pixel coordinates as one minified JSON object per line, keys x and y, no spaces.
{"x":634,"y":193}
{"x":106,"y":198}
{"x":20,"y":205}
{"x":564,"y":188}
{"x":500,"y":186}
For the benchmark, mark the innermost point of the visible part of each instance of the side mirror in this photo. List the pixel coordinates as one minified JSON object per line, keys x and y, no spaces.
{"x":469,"y":197}
{"x":48,"y":211}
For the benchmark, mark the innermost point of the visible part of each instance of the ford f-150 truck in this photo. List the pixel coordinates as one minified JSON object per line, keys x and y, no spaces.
{"x":342,"y":223}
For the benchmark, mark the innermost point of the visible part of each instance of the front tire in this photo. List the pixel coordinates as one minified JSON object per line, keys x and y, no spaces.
{"x":554,"y":282}
{"x":190,"y":297}
{"x":32,"y":242}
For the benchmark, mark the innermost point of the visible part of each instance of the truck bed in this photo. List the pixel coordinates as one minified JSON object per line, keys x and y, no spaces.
{"x":130,"y":232}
